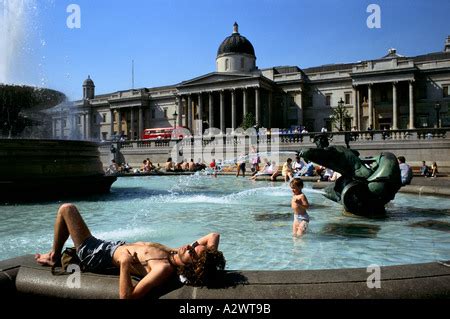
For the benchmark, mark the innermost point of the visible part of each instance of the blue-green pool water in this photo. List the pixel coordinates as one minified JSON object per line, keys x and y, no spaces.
{"x":253,"y":218}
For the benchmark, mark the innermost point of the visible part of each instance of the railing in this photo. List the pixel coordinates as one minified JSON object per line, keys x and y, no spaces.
{"x":283,"y":138}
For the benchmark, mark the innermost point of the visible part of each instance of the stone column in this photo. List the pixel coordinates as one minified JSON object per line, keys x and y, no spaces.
{"x":85,"y":126}
{"x":222,"y":111}
{"x":132,"y":130}
{"x":258,"y":107}
{"x":61,"y":128}
{"x":394,"y":107}
{"x":370,"y":108}
{"x":179,"y":111}
{"x":411,"y":105}
{"x":189,"y":107}
{"x":233,"y":110}
{"x":244,"y":102}
{"x":119,"y":122}
{"x":111,"y":128}
{"x":88,"y":126}
{"x":200,"y":113}
{"x":299,"y":102}
{"x":355,"y":107}
{"x":211,"y":110}
{"x":270,"y":110}
{"x":141,"y":121}
{"x":186,"y":118}
{"x":358,"y":105}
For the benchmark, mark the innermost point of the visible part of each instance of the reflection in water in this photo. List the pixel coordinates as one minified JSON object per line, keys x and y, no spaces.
{"x":272,"y":216}
{"x":433,"y":224}
{"x":351,"y":230}
{"x":395,"y":212}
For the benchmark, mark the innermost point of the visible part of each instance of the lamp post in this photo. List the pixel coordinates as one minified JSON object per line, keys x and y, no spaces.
{"x":175,"y":116}
{"x":341,"y":113}
{"x":437,"y":107}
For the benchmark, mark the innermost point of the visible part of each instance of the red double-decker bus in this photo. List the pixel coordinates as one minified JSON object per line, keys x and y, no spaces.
{"x":164,"y":133}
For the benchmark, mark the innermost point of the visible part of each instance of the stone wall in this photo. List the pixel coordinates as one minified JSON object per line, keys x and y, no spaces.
{"x":414,"y":146}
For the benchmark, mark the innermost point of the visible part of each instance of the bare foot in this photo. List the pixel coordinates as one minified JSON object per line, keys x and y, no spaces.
{"x":46,"y":259}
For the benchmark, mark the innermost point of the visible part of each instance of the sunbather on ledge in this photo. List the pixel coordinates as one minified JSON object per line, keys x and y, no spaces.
{"x":155,"y":263}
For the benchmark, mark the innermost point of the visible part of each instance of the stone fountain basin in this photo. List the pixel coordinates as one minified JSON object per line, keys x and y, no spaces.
{"x":44,"y":169}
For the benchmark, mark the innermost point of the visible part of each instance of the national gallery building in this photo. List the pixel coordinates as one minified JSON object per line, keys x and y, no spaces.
{"x":390,"y":92}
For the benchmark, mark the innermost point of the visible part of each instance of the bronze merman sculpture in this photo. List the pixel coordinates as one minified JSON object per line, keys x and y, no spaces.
{"x":366,"y":185}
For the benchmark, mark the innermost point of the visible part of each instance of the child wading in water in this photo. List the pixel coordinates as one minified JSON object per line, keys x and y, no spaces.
{"x":299,"y":204}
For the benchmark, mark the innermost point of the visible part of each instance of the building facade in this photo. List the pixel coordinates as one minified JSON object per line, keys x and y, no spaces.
{"x":392,"y":92}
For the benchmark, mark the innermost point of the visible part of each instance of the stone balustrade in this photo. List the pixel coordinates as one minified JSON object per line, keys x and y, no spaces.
{"x":431,"y":144}
{"x":294,"y":138}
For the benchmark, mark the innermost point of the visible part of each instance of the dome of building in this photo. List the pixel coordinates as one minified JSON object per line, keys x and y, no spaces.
{"x":88,"y":89}
{"x":236,"y":54}
{"x":88,"y":81}
{"x":236,"y":43}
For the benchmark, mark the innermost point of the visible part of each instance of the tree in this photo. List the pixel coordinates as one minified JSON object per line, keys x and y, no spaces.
{"x":339,"y":116}
{"x":248,"y":121}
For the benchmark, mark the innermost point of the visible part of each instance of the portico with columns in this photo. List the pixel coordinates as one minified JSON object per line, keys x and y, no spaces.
{"x":383,"y":94}
{"x":223,"y":100}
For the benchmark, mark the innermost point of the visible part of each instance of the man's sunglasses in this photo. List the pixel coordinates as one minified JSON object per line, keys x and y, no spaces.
{"x":192,"y":249}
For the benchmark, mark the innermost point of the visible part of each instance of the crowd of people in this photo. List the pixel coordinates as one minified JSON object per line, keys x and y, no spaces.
{"x":291,"y":169}
{"x":184,"y":165}
{"x":125,"y":168}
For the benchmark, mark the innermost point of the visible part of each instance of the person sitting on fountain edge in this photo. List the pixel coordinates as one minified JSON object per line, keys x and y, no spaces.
{"x":405,"y":171}
{"x":198,"y":263}
{"x":299,"y":204}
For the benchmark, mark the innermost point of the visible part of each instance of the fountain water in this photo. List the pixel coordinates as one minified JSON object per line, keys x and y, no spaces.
{"x":14,"y":29}
{"x":36,"y":168}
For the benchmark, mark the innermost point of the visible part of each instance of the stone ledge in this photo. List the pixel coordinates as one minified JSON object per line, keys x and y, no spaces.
{"x":428,"y":280}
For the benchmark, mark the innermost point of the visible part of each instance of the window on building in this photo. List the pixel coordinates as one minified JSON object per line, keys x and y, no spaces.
{"x":104,"y":136}
{"x":64,"y":123}
{"x":328,"y":100}
{"x":79,"y":119}
{"x":227,"y":64}
{"x":348,"y":98}
{"x":153,"y":113}
{"x":104,"y":117}
{"x":165,"y":113}
{"x":445,"y":90}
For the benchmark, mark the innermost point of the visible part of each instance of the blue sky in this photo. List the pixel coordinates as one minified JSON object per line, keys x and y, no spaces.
{"x":175,"y":40}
